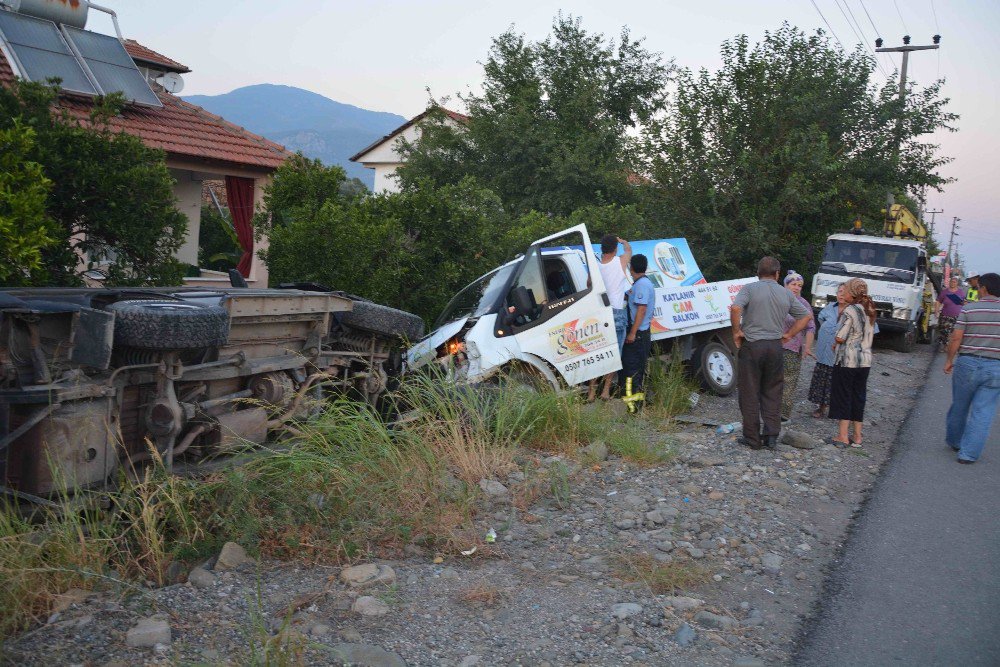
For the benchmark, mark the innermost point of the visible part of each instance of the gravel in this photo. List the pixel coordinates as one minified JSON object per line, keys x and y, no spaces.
{"x":762,"y":525}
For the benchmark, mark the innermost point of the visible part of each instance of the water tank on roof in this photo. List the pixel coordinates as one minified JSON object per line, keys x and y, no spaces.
{"x":70,"y":12}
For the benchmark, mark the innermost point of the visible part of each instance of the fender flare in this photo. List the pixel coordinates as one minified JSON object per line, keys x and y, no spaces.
{"x":537,"y":364}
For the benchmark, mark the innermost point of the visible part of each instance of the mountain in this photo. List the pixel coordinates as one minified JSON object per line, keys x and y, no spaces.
{"x":304,"y":121}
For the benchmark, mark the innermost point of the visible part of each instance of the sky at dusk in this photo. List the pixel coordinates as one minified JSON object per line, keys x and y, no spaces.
{"x":384,"y":55}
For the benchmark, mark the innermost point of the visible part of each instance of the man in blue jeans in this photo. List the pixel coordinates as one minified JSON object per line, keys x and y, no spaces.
{"x":975,"y":384}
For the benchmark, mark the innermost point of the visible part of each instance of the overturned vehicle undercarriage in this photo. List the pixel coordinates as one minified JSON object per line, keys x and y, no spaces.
{"x":93,"y":379}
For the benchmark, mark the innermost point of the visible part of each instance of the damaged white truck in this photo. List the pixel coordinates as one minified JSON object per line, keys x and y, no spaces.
{"x":547,"y":314}
{"x":91,"y":379}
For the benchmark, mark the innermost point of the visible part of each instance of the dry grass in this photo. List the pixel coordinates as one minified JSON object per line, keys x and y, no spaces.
{"x":482,"y":595}
{"x":660,"y":578}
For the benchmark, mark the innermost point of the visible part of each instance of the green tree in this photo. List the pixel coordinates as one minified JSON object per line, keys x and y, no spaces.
{"x":111,"y":198}
{"x":787,"y":142}
{"x":25,"y":228}
{"x":550,"y":131}
{"x":411,"y":250}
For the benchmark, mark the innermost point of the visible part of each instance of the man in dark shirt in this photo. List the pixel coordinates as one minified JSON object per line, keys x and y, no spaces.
{"x":758,"y":318}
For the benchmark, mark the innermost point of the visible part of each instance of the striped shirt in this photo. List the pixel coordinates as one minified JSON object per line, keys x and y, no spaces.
{"x":979,"y":323}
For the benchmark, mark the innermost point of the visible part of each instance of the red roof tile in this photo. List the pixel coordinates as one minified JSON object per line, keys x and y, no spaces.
{"x":180,"y":129}
{"x":144,"y":54}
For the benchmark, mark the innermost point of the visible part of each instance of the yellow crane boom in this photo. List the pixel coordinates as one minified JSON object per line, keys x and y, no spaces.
{"x":900,"y":223}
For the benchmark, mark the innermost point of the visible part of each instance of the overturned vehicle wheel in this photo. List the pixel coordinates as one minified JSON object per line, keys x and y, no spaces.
{"x":383,"y":320}
{"x":169,"y":325}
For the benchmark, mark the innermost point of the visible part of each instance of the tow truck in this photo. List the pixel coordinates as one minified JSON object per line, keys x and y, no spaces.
{"x":901,"y":280}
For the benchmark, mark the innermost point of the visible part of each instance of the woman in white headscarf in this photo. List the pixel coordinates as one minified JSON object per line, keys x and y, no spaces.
{"x":796,"y":348}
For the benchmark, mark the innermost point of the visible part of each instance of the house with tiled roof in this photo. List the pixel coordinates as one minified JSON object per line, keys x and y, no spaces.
{"x":384,"y":156}
{"x":199,"y":146}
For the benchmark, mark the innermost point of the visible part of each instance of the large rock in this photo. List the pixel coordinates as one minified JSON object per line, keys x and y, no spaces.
{"x":682,"y":603}
{"x":595,"y":451}
{"x":367,"y":575}
{"x":685,"y":635}
{"x":772,"y":563}
{"x":366,"y":655}
{"x":715,"y":621}
{"x":231,"y":557}
{"x":201,"y":578}
{"x":625,"y":609}
{"x":800,"y":440}
{"x":149,"y":632}
{"x":493,"y":488}
{"x":367,"y":605}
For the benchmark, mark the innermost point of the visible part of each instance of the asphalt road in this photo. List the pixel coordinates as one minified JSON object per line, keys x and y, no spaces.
{"x":919,"y":581}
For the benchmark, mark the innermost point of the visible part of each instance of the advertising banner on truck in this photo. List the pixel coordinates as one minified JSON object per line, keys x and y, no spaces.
{"x":685,"y":301}
{"x":671,"y":263}
{"x":705,"y":305}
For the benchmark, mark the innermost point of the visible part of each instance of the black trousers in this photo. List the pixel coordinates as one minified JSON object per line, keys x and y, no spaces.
{"x":634,"y":358}
{"x":761,"y":380}
{"x":848,"y":393}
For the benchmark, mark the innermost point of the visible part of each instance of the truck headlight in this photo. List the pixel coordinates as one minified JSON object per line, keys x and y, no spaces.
{"x":901,"y":313}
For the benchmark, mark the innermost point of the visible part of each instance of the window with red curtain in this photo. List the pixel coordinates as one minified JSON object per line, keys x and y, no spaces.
{"x":239,"y":193}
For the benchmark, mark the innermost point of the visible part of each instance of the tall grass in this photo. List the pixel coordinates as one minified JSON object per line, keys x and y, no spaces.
{"x":349,"y":483}
{"x":668,"y":387}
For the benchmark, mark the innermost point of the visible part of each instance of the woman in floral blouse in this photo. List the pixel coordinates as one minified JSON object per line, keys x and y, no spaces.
{"x":852,"y":362}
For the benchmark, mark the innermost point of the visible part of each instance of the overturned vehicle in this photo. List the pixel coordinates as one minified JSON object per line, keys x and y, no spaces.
{"x":95,"y":379}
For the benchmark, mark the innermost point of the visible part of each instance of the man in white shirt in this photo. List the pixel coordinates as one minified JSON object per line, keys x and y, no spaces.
{"x":614,"y":271}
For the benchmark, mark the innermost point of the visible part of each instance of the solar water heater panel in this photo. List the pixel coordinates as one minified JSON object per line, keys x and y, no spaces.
{"x":40,"y":53}
{"x":111,"y":65}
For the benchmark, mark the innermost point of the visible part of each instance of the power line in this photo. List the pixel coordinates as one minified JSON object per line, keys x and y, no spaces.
{"x":877,"y":33}
{"x":859,"y":34}
{"x":901,"y":16}
{"x":829,"y":27}
{"x":937,"y":27}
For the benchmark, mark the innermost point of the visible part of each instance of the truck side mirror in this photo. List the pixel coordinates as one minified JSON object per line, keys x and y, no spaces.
{"x":523,"y":301}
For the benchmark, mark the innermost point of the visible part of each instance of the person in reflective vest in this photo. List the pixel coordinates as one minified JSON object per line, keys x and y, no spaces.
{"x":973,"y":293}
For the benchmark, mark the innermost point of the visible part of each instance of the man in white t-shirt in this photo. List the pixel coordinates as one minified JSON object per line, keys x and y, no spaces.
{"x":614,"y":270}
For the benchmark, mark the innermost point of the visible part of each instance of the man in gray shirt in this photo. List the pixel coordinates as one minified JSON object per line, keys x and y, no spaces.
{"x":758,"y":318}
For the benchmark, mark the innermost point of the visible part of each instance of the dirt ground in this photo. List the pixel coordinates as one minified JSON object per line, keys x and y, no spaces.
{"x":577,"y":578}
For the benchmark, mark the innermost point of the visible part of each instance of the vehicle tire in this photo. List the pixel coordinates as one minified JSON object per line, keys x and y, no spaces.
{"x":906,"y":341}
{"x":717,"y":368}
{"x":151,"y":324}
{"x":384,"y":320}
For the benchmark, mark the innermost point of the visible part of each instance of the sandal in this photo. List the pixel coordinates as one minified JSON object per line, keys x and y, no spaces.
{"x":818,"y":414}
{"x":855,"y":443}
{"x":840,"y":444}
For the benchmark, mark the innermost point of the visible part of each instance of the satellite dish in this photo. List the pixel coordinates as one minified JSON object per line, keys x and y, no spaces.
{"x":171,"y":82}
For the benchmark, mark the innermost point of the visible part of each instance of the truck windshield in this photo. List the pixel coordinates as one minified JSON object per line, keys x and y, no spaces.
{"x":478,"y":298}
{"x":864,"y":259}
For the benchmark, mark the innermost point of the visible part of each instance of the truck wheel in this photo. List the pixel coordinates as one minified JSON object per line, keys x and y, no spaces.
{"x":384,"y":320}
{"x":169,"y":325}
{"x":717,"y":368}
{"x":906,"y":341}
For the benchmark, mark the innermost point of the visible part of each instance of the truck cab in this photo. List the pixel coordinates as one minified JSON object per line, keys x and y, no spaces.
{"x":896,"y":270}
{"x":545,"y":314}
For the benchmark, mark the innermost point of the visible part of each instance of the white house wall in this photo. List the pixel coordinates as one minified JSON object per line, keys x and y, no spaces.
{"x":187,"y":190}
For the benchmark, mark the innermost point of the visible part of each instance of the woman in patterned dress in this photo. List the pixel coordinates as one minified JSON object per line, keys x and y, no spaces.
{"x":819,"y":387}
{"x":949,"y":305}
{"x":852,"y":362}
{"x":795,"y":349}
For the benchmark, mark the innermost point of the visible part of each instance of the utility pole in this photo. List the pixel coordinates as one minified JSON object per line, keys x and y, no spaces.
{"x":933,"y":214}
{"x":905,"y":50}
{"x":951,"y":241}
